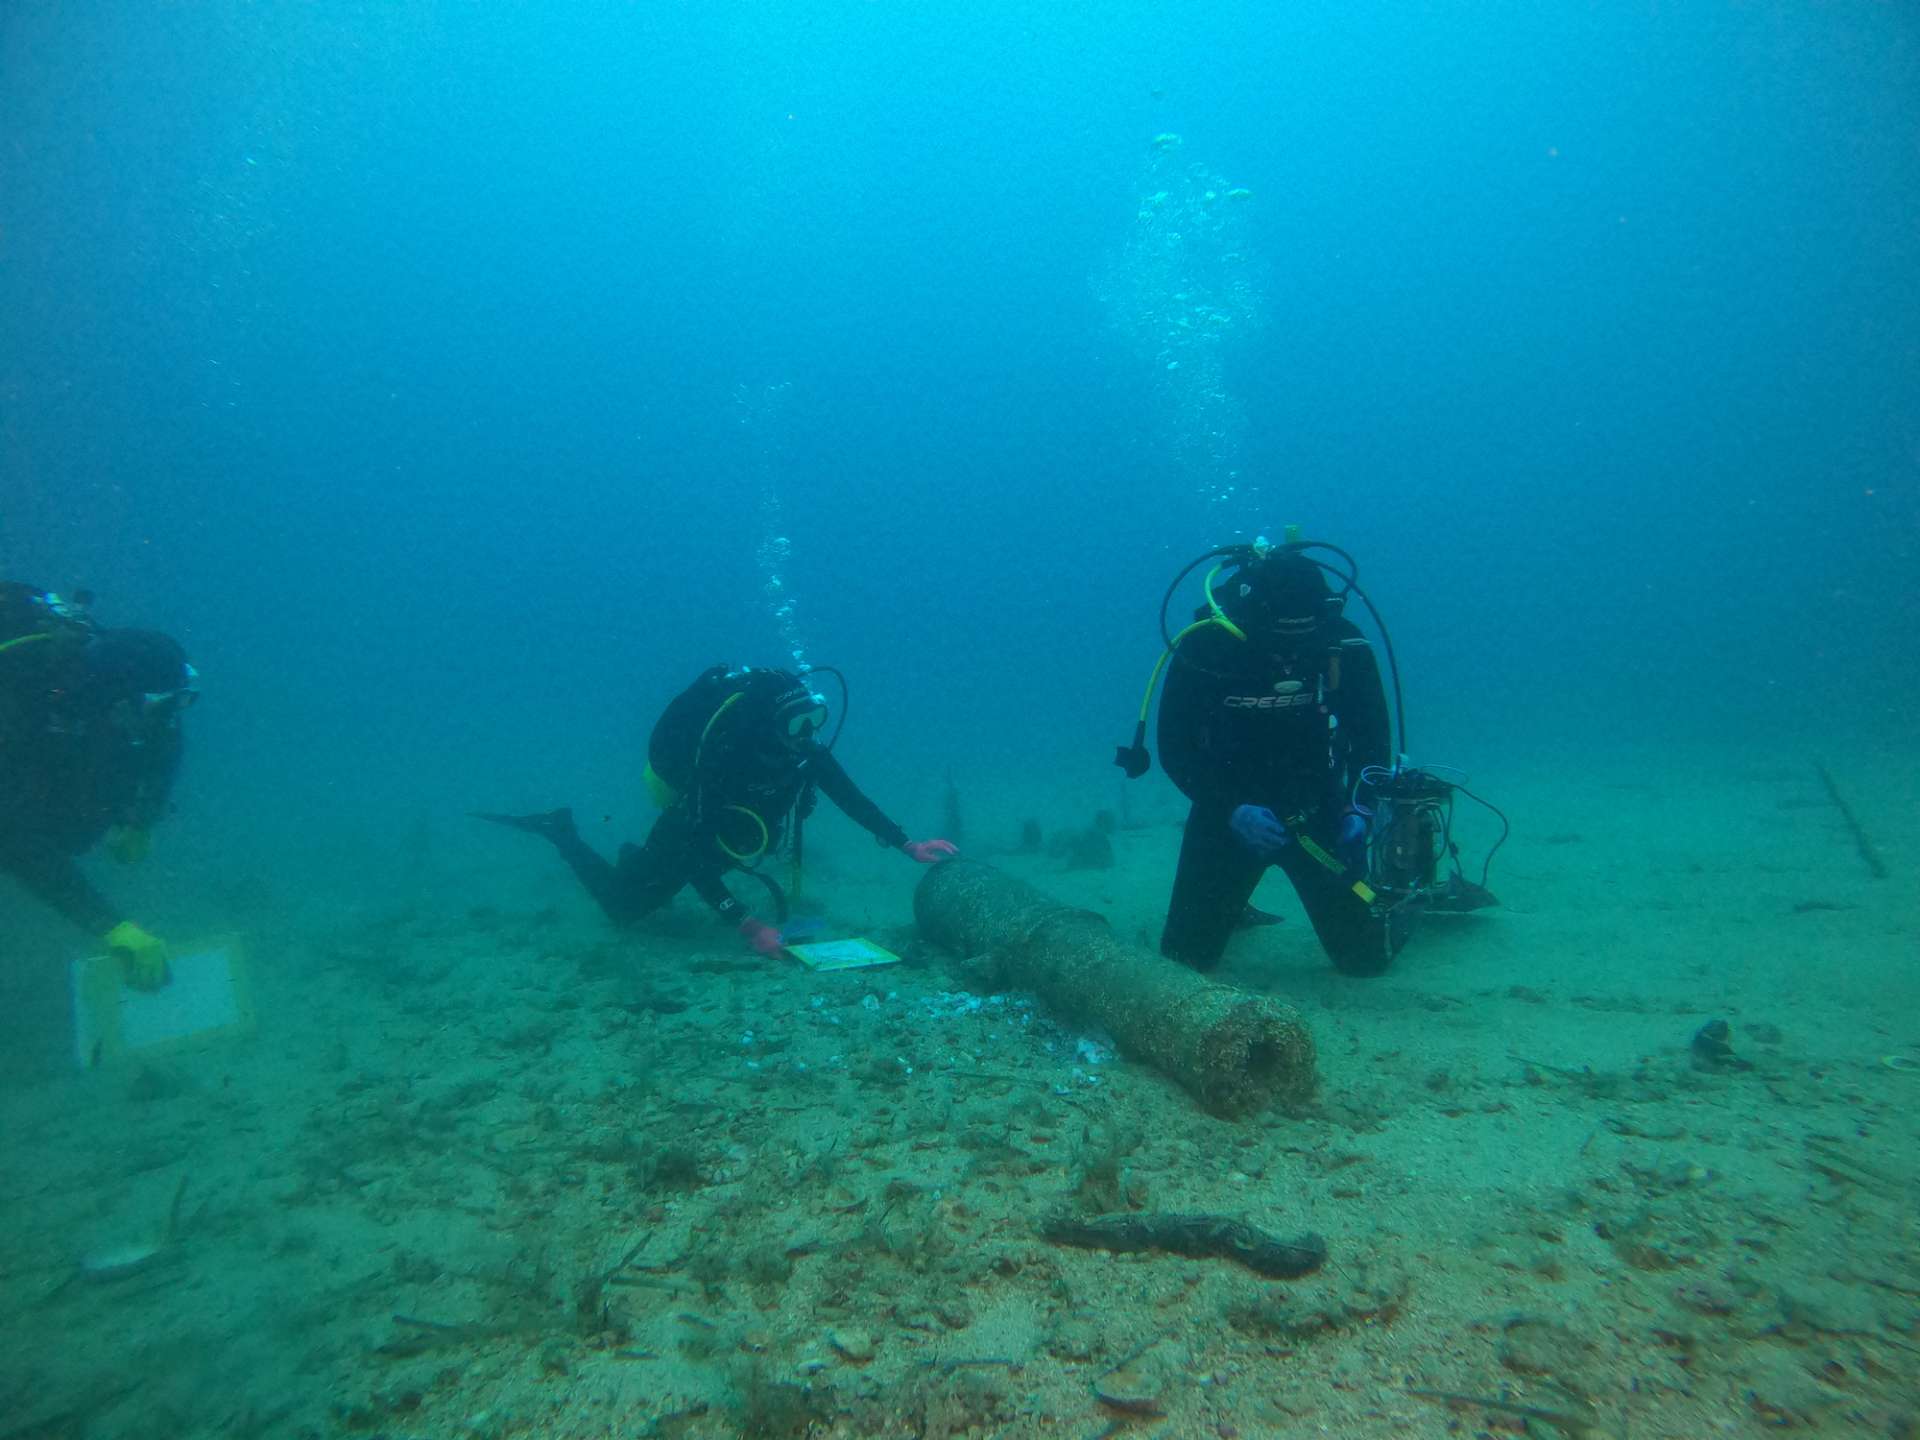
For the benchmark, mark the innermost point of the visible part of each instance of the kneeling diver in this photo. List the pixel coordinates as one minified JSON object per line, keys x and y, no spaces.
{"x":1275,"y":726}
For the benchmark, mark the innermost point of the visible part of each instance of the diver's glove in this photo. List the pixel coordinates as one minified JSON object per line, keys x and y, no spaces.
{"x":1259,"y":829}
{"x":129,"y":844}
{"x":930,"y":852}
{"x":1352,"y":844}
{"x":142,"y":956}
{"x":761,"y":936}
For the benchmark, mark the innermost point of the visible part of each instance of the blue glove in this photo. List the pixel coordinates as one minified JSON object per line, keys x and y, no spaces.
{"x":1259,"y":829}
{"x":1352,"y":845}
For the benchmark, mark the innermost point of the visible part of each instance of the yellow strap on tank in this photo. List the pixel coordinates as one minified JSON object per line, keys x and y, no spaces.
{"x":25,"y":640}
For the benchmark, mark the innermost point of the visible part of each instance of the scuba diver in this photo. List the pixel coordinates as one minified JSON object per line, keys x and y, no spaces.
{"x":1275,"y":725}
{"x":89,"y":746}
{"x":732,"y":758}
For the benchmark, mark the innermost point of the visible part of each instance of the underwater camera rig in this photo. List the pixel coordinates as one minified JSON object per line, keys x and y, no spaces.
{"x":1410,"y":832}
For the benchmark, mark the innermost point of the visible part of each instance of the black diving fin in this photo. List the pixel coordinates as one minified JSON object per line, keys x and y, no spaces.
{"x":549,"y":824}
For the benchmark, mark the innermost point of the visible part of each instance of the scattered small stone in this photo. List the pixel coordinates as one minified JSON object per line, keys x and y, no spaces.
{"x":854,"y":1345}
{"x":1086,"y":850}
{"x":1134,"y":1388}
{"x":1713,"y":1048}
{"x":1075,"y":1338}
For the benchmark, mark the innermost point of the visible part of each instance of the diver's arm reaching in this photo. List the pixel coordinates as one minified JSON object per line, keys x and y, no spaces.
{"x":838,"y":787}
{"x":55,"y":878}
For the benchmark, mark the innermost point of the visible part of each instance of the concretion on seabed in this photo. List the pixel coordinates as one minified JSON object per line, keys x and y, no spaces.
{"x":1235,"y":1052}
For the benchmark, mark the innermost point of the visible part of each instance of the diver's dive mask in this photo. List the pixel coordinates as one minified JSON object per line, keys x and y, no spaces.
{"x":799,"y":716}
{"x":151,"y":712}
{"x":171,"y":702}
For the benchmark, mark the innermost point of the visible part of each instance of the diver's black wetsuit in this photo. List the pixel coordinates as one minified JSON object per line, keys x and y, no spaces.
{"x":1242,"y":726}
{"x":68,"y":774}
{"x":723,"y":776}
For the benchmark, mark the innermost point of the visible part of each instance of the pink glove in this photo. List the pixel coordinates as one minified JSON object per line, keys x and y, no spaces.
{"x":761,"y":936}
{"x":930,"y":852}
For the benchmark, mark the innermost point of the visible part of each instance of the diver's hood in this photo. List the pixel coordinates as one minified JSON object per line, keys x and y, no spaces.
{"x":771,"y":701}
{"x":122,"y":664}
{"x":1282,"y":595}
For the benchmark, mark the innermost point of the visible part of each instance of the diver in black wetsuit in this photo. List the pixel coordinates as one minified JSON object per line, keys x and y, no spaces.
{"x":1273,"y":708}
{"x":89,"y":746}
{"x":731,"y":758}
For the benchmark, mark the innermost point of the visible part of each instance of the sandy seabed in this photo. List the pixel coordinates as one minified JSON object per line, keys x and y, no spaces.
{"x":493,"y":1170}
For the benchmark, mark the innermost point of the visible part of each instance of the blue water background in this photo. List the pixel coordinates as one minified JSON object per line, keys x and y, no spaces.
{"x":394,"y":355}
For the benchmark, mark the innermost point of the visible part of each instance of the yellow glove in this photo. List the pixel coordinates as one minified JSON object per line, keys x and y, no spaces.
{"x":142,"y":956}
{"x":129,"y":844}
